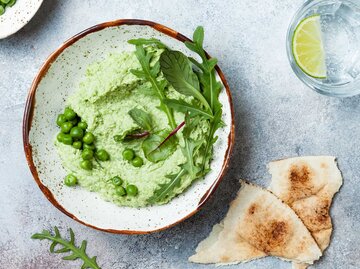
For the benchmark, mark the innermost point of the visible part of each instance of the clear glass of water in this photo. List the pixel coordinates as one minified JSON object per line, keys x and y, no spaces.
{"x":340,"y":35}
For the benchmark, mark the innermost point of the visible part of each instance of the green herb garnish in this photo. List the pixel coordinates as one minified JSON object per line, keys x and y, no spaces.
{"x":151,"y":148}
{"x":147,"y":42}
{"x":211,"y":89}
{"x":185,"y":107}
{"x":210,"y":86}
{"x":150,"y":73}
{"x":165,"y":189}
{"x":68,"y":246}
{"x":192,"y":78}
{"x":141,"y":118}
{"x":179,"y":73}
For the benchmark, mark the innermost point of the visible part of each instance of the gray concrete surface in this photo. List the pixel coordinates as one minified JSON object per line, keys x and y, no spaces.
{"x":276,"y":116}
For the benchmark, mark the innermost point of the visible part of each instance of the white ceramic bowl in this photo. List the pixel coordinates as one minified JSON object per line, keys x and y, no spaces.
{"x":57,"y":79}
{"x":17,"y":16}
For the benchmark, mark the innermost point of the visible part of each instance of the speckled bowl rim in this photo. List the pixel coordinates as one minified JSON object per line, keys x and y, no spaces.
{"x":30,"y":105}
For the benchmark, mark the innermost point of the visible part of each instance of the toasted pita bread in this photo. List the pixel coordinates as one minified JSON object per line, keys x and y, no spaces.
{"x":307,"y":185}
{"x":257,"y":224}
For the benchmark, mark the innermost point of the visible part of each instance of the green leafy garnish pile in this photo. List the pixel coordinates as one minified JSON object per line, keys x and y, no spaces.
{"x":189,"y":77}
{"x":68,"y":246}
{"x":150,"y":73}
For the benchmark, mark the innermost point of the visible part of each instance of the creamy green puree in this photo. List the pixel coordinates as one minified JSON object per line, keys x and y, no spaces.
{"x":103,"y":100}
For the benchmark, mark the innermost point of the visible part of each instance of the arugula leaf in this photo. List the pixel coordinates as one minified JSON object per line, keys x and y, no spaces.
{"x":161,"y":194}
{"x":178,"y":72}
{"x":150,"y":74}
{"x":185,"y":107}
{"x":211,"y":87}
{"x":142,"y":118}
{"x":210,"y":140}
{"x":172,"y":133}
{"x":211,"y":90}
{"x":147,"y":42}
{"x":151,"y":148}
{"x":189,"y":150}
{"x":190,"y":147}
{"x":68,"y":246}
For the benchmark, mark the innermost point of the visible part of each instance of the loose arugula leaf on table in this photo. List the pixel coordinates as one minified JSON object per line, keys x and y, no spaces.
{"x":178,"y":72}
{"x":141,"y":118}
{"x":151,"y":148}
{"x":150,"y":74}
{"x":68,"y":246}
{"x":185,"y":107}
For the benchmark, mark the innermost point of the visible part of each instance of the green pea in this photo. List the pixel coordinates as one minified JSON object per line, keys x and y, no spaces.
{"x":88,"y":138}
{"x":128,"y":154}
{"x":60,"y":137}
{"x":60,"y":120}
{"x":102,"y":155}
{"x":11,"y":3}
{"x":2,"y":10}
{"x":77,"y":145}
{"x":91,"y":146}
{"x":66,"y":127}
{"x":120,"y":190}
{"x":137,"y":162}
{"x":69,"y":113}
{"x":70,"y":180}
{"x":86,"y":165}
{"x":77,"y":132}
{"x":117,"y":181}
{"x":83,"y":125}
{"x":131,"y":190}
{"x":67,"y":139}
{"x":87,"y":154}
{"x":75,"y":121}
{"x":5,"y":1}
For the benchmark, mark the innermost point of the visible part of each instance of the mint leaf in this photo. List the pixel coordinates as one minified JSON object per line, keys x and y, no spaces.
{"x":141,"y":118}
{"x":178,"y":72}
{"x":151,"y":148}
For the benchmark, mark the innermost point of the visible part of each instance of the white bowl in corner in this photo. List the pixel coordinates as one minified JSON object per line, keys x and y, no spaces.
{"x":17,"y":16}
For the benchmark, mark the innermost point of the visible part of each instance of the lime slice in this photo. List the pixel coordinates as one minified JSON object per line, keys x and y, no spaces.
{"x":308,"y":49}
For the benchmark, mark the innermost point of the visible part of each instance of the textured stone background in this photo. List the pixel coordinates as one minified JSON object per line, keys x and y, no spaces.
{"x":276,"y":116}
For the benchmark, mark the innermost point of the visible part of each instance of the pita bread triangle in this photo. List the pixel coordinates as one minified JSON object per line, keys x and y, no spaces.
{"x":307,"y":185}
{"x":257,"y":224}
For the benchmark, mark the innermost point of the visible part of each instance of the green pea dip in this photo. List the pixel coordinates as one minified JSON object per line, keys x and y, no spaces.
{"x":104,"y":98}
